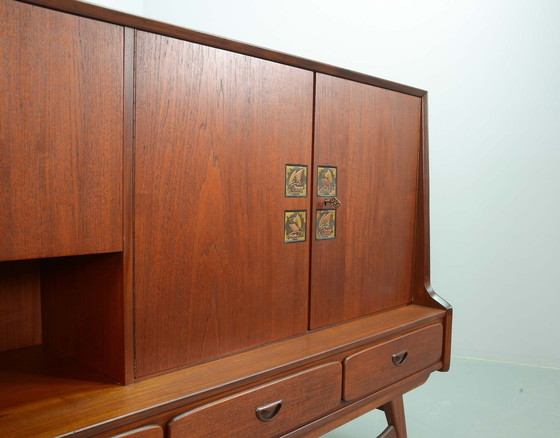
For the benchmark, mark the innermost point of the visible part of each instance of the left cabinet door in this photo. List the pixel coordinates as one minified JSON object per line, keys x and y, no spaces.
{"x":61,"y":133}
{"x":214,"y":133}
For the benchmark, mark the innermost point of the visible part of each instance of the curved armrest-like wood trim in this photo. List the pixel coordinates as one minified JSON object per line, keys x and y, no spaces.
{"x":447,"y":325}
{"x":441,"y":303}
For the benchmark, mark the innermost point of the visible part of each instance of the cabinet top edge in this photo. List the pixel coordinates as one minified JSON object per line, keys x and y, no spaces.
{"x":140,"y":23}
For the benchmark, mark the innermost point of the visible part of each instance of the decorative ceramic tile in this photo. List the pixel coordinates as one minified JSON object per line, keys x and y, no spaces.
{"x":326,"y":181}
{"x":296,"y":181}
{"x":295,"y":225}
{"x":326,"y":224}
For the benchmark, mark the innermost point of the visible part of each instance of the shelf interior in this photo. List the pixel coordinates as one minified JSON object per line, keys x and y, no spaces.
{"x":34,"y":375}
{"x":73,"y":305}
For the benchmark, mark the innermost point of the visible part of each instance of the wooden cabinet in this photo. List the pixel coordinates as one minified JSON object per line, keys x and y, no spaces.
{"x":204,"y":238}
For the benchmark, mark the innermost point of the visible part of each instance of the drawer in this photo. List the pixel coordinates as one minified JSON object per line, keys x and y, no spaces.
{"x":267,"y":410}
{"x":388,"y":362}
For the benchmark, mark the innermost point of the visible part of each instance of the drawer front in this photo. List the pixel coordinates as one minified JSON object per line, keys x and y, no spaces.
{"x":386,"y":363}
{"x":267,"y":410}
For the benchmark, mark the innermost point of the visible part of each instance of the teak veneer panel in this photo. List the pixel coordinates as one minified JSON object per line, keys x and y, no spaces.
{"x":49,"y":389}
{"x":214,"y":131}
{"x":61,"y":133}
{"x":20,"y":304}
{"x":143,"y":23}
{"x":143,"y":432}
{"x":372,"y":135}
{"x":303,"y":397}
{"x":82,"y":306}
{"x":371,"y":369}
{"x":35,"y":375}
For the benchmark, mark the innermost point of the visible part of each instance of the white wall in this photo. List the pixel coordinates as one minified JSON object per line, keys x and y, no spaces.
{"x":492,"y":69}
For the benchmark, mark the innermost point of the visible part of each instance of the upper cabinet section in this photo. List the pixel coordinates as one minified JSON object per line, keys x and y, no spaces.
{"x":61,"y":134}
{"x":363,"y":259}
{"x":215,"y":131}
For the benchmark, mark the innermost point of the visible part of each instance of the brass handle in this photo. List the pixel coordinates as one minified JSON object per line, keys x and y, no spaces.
{"x":268,"y":412}
{"x":400,"y":358}
{"x":334,"y":202}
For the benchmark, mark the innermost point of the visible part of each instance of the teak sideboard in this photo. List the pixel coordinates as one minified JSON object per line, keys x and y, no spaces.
{"x":203,"y":238}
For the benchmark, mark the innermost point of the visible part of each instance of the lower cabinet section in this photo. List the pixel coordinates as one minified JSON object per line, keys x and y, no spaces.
{"x":388,"y":362}
{"x":267,"y":410}
{"x":299,"y":387}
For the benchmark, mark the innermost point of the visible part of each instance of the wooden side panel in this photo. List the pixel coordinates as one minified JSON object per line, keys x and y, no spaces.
{"x":83,"y":310}
{"x":214,"y":131}
{"x":424,"y":293}
{"x":20,"y":304}
{"x":285,"y":403}
{"x":61,"y":117}
{"x":372,"y":135}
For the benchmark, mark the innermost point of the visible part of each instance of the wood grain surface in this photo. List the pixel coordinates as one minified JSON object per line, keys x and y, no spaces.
{"x":143,"y":432}
{"x":48,"y":388}
{"x":61,"y":116}
{"x":389,"y":432}
{"x":20,"y":304}
{"x":352,"y":410}
{"x":128,"y":208}
{"x":373,"y":136}
{"x":82,"y":310}
{"x":371,"y":369}
{"x":303,"y":396}
{"x":394,"y":412}
{"x":143,"y":23}
{"x":214,"y":131}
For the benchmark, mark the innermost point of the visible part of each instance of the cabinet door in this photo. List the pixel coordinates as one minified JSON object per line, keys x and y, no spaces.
{"x":61,"y":133}
{"x":214,"y":131}
{"x":372,"y":137}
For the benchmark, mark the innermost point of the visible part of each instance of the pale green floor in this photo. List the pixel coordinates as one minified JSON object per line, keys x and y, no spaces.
{"x":475,"y":399}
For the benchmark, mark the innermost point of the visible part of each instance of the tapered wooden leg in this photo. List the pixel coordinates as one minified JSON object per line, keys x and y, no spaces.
{"x":388,"y":433}
{"x":394,"y":412}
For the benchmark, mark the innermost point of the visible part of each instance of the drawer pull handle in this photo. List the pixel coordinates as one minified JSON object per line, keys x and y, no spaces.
{"x":268,"y":412}
{"x":400,"y":358}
